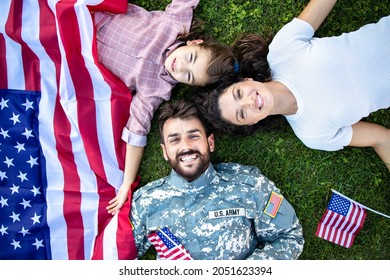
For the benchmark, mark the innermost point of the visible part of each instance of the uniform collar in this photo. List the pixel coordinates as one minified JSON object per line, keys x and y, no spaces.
{"x":202,"y":181}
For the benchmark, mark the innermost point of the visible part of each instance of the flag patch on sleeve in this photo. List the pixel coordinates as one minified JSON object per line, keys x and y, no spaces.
{"x":273,"y":204}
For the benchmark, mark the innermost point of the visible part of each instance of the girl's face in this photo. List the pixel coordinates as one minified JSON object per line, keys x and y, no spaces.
{"x":246,"y":102}
{"x":188,"y":64}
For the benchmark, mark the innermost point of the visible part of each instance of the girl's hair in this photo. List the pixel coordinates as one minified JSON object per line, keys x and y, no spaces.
{"x":247,"y":57}
{"x":207,"y":99}
{"x":222,"y":58}
{"x":221,"y":61}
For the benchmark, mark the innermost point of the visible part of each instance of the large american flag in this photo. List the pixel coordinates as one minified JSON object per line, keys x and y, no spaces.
{"x":61,"y":119}
{"x":342,"y":220}
{"x":168,"y":247}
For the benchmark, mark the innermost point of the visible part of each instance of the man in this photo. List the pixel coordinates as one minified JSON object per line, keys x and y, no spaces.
{"x":225,"y":211}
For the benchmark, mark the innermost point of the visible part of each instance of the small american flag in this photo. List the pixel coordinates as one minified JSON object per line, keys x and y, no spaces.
{"x":273,"y":205}
{"x":342,"y":220}
{"x":168,"y":247}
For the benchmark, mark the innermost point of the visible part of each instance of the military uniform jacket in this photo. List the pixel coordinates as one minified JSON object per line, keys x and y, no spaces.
{"x":220,"y":215}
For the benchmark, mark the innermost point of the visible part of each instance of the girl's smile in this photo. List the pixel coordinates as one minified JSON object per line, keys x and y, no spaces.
{"x":173,"y":65}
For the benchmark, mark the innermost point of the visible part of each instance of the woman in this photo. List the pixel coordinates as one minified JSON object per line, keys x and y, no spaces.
{"x":323,"y":86}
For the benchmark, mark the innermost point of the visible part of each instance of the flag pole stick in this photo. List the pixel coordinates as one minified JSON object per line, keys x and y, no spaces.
{"x":376,"y":212}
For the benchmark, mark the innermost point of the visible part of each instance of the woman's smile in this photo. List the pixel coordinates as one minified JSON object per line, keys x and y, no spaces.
{"x":246,"y":102}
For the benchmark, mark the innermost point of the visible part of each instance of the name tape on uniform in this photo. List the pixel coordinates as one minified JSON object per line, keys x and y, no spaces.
{"x":230,"y":212}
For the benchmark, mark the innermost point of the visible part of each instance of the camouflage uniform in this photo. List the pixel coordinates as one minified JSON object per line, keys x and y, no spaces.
{"x":218,"y":216}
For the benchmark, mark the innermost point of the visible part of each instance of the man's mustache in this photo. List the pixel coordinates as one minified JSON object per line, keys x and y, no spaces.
{"x":189,"y":152}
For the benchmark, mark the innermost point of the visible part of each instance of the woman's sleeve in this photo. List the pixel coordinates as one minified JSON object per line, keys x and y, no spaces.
{"x":292,"y":37}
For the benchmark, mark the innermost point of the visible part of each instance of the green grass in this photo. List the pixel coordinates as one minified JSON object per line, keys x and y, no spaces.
{"x":305,"y":176}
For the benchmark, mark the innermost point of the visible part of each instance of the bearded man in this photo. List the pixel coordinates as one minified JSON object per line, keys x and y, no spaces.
{"x":203,"y":211}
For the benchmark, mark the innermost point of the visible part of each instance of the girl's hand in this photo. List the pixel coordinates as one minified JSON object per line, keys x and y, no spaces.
{"x":115,"y":204}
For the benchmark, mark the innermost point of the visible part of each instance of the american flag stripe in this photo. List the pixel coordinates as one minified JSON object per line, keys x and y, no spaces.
{"x":79,"y":123}
{"x":13,"y":26}
{"x":275,"y":201}
{"x":357,"y":217}
{"x":344,"y":234}
{"x":3,"y":63}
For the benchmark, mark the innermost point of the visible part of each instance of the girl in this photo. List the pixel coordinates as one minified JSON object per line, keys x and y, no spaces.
{"x":151,"y":52}
{"x":323,"y":86}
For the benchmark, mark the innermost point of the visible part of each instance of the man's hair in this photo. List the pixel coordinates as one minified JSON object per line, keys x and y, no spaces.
{"x":180,"y":109}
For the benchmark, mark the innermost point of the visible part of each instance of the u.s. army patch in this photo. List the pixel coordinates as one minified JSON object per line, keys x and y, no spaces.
{"x":273,"y":204}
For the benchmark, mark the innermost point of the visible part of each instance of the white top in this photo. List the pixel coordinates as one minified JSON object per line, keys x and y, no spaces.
{"x":336,"y":80}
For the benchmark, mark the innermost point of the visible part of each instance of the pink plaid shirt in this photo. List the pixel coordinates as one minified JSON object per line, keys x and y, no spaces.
{"x":134,"y":46}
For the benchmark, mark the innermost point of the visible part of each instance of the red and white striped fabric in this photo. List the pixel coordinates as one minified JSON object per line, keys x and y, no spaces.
{"x":49,"y":47}
{"x":342,"y":220}
{"x":168,"y":247}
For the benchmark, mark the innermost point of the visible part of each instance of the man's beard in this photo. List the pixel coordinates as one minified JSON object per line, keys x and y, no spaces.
{"x":193,"y":172}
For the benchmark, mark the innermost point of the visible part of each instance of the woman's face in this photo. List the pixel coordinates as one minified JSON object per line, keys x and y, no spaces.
{"x":246,"y":102}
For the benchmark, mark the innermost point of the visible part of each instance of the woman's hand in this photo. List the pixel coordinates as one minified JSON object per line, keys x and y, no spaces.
{"x":316,"y":11}
{"x":372,"y":135}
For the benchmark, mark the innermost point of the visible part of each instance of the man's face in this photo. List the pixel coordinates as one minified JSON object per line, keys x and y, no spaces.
{"x":186,"y":147}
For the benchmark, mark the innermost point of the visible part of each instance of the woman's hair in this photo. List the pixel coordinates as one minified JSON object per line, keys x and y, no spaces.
{"x":181,"y":109}
{"x":247,"y":57}
{"x":207,"y":99}
{"x":251,"y":52}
